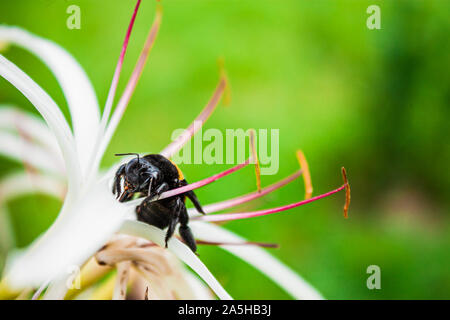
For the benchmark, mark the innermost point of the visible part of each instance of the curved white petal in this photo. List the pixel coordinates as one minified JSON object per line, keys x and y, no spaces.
{"x":15,"y":119}
{"x":57,"y":289}
{"x":21,"y":150}
{"x":73,"y":80}
{"x":51,"y":114}
{"x":71,"y":240}
{"x":123,"y":274}
{"x":200,"y":290}
{"x":38,"y":292}
{"x":18,"y":184}
{"x":6,"y":233}
{"x":143,"y":230}
{"x":21,"y":183}
{"x":260,"y":259}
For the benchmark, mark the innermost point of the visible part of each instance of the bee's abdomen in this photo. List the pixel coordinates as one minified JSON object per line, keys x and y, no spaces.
{"x":158,"y":213}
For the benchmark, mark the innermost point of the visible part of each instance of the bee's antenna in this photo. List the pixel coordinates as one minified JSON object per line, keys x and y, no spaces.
{"x":128,"y":154}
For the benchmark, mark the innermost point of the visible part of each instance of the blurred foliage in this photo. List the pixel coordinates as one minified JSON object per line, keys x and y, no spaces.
{"x":376,"y":101}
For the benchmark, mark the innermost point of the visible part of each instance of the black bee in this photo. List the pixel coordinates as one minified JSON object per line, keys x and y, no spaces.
{"x":149,"y":177}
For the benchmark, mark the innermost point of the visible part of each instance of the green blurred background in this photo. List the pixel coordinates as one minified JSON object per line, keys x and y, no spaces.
{"x":375,"y":101}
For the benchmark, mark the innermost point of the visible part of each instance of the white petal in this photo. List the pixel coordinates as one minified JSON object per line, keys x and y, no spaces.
{"x":79,"y":231}
{"x":57,"y":289}
{"x":39,"y":291}
{"x":17,"y":148}
{"x":199,"y":289}
{"x":21,"y":183}
{"x":123,"y":273}
{"x":18,"y":184}
{"x":14,"y":119}
{"x":178,"y":248}
{"x":51,"y":114}
{"x":13,"y":186}
{"x":260,"y":259}
{"x":74,"y":82}
{"x":6,"y":233}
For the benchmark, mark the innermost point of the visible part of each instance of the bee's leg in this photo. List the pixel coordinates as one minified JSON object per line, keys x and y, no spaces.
{"x":172,"y":224}
{"x":116,"y":185}
{"x":126,"y":196}
{"x":191,"y":195}
{"x":185,"y":231}
{"x":174,"y":217}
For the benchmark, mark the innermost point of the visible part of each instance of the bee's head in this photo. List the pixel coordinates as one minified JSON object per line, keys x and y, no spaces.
{"x":139,"y":175}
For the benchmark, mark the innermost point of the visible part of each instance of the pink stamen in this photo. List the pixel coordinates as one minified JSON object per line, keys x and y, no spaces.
{"x":115,"y":81}
{"x":244,"y":215}
{"x":203,"y":182}
{"x":214,"y":207}
{"x":201,"y":118}
{"x":129,"y":89}
{"x":123,"y":102}
{"x":101,"y":143}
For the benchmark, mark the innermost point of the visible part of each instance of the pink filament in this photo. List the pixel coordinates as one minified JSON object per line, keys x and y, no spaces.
{"x":201,"y":118}
{"x":100,"y":145}
{"x":218,"y":206}
{"x":203,"y":182}
{"x":115,"y":81}
{"x":244,"y":215}
{"x":129,"y":89}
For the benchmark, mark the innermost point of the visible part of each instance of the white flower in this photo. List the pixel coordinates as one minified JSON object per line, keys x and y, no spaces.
{"x":90,"y":215}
